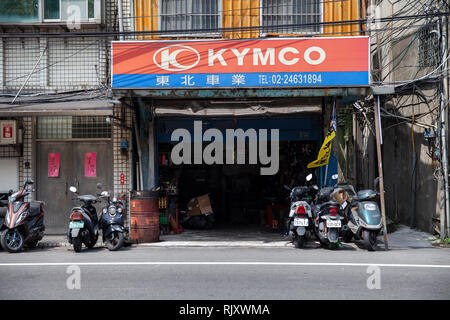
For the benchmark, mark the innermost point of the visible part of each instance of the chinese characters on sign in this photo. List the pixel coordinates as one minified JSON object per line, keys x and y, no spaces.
{"x":7,"y":132}
{"x":90,"y":164}
{"x":53,"y":165}
{"x":288,"y":62}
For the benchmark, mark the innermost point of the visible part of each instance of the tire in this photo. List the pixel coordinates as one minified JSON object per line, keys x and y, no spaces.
{"x":117,"y":242}
{"x":32,"y":244}
{"x":6,"y":242}
{"x":332,"y":246}
{"x":299,"y":242}
{"x":77,"y":244}
{"x":370,"y":240}
{"x":347,"y":237}
{"x":92,"y":243}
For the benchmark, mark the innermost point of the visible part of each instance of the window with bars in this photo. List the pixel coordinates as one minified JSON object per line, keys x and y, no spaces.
{"x":185,"y":15}
{"x":428,"y":53}
{"x":291,"y":16}
{"x":73,"y":127}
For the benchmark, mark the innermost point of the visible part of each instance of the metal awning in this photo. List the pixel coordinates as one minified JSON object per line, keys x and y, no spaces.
{"x":38,"y":106}
{"x":233,"y":108}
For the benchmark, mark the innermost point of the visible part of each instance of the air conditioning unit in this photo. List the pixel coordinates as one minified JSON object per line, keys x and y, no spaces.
{"x":8,"y":132}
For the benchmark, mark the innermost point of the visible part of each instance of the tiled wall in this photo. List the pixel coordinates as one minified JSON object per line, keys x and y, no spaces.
{"x":122,"y":162}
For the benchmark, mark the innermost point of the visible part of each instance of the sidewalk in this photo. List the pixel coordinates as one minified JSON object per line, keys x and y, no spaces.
{"x":403,"y":238}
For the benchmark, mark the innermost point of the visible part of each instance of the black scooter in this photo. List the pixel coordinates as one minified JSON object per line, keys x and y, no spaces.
{"x":83,"y":222}
{"x":300,"y":221}
{"x":111,"y":222}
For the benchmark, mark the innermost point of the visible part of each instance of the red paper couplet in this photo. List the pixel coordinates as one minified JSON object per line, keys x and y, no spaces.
{"x":90,"y":164}
{"x":53,"y":165}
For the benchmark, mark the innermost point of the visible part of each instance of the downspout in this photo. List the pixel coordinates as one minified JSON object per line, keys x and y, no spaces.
{"x":120,"y":13}
{"x":138,"y":143}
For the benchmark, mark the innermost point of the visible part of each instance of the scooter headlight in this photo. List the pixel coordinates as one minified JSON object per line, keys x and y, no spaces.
{"x":105,"y":210}
{"x":370,"y":206}
{"x":112,"y":210}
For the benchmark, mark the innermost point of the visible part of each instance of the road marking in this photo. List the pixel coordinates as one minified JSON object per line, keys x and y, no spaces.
{"x":231,"y":263}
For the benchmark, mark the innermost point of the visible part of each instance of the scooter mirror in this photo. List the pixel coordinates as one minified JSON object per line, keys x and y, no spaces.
{"x":114,"y":199}
{"x":309,"y":177}
{"x":287,"y":188}
{"x":104,"y":194}
{"x":29,"y":181}
{"x":73,"y":189}
{"x":99,"y":185}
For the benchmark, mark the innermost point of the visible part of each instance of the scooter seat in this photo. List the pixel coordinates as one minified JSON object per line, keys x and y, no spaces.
{"x":3,"y":212}
{"x":35,"y":208}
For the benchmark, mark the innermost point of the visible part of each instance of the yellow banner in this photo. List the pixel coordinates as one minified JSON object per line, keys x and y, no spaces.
{"x":325,"y":150}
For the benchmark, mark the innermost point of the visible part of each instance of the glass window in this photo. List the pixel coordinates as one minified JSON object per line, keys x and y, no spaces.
{"x":72,"y":127}
{"x":286,"y":16}
{"x":19,"y":10}
{"x":51,"y":10}
{"x":184,"y":15}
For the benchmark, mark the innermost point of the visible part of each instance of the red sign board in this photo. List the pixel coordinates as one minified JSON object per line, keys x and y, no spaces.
{"x":291,"y":62}
{"x":122,"y":178}
{"x":90,"y":164}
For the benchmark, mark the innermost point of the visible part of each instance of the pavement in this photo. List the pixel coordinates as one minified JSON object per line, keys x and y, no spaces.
{"x":257,"y":237}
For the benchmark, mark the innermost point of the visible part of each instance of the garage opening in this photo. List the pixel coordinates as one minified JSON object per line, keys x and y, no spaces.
{"x":240,"y":196}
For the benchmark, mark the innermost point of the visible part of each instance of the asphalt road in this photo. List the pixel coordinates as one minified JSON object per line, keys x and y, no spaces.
{"x":140,"y":272}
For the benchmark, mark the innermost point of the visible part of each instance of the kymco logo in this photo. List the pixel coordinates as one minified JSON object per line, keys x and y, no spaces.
{"x":171,"y":58}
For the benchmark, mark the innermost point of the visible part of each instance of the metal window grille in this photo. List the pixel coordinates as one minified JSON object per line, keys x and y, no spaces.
{"x":73,"y":127}
{"x":280,"y":16}
{"x":428,"y":53}
{"x":185,"y":15}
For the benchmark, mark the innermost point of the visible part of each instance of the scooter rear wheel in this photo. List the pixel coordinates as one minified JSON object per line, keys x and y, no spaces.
{"x":9,"y":242}
{"x":77,"y":244}
{"x":116,"y":243}
{"x":299,"y":242}
{"x":92,"y":243}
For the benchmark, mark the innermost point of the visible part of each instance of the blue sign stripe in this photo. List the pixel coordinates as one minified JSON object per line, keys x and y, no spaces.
{"x":202,"y":80}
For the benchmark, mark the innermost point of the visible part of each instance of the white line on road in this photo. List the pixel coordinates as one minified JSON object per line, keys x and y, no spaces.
{"x":143,"y":263}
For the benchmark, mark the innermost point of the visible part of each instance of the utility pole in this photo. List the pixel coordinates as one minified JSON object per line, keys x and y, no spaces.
{"x":443,"y":127}
{"x":377,"y":121}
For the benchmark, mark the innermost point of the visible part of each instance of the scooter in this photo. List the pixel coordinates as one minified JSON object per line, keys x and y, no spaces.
{"x":24,"y":221}
{"x":83,"y":222}
{"x":364,"y":219}
{"x":327,"y":218}
{"x":111,"y":222}
{"x":300,"y":216}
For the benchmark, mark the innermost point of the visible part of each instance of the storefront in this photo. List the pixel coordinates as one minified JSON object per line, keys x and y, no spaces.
{"x":188,"y":88}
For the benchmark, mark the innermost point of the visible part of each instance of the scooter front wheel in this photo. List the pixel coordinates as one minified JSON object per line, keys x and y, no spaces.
{"x":370,"y":240}
{"x":116,"y":243}
{"x":12,"y":240}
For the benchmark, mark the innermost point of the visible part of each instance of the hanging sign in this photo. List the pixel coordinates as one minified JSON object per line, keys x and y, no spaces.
{"x":122,"y":178}
{"x":325,"y":150}
{"x":53,"y":165}
{"x":287,"y":62}
{"x":90,"y":164}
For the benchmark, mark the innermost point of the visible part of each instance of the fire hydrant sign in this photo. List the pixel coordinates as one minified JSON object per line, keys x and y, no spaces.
{"x":90,"y":164}
{"x":8,"y":132}
{"x":287,"y":62}
{"x":53,"y":165}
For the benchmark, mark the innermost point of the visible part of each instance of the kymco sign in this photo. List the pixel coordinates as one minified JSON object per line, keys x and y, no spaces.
{"x":299,"y":62}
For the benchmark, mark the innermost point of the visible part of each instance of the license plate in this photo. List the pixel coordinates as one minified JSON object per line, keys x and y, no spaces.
{"x":333,"y":223}
{"x":76,"y":224}
{"x":299,"y":222}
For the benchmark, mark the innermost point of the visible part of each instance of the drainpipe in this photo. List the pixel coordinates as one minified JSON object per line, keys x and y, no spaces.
{"x":120,"y":13}
{"x":138,"y":143}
